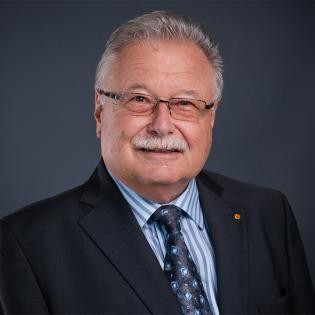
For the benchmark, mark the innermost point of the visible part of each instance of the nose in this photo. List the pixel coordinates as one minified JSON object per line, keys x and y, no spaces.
{"x":162,"y":123}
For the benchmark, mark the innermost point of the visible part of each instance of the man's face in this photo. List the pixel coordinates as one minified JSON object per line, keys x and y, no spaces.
{"x":165,"y":69}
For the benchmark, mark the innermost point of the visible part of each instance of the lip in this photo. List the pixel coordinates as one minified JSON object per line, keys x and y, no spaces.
{"x":160,"y":151}
{"x":160,"y":155}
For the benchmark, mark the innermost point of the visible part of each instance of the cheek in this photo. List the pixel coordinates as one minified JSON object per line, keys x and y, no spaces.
{"x":118,"y":131}
{"x":200,"y":143}
{"x":110,"y":132}
{"x":203,"y":146}
{"x":112,"y":138}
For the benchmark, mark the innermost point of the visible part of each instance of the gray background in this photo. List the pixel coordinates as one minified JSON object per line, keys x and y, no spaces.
{"x":265,"y":125}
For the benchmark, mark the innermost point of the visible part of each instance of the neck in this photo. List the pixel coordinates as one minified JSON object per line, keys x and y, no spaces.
{"x":160,"y":194}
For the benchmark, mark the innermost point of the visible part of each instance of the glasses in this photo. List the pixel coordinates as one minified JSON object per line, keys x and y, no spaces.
{"x":143,"y":105}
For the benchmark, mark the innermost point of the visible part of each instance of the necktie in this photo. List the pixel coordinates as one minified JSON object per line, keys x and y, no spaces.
{"x":178,"y":264}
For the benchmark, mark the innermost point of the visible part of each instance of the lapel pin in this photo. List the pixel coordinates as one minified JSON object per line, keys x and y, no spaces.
{"x":236,"y":214}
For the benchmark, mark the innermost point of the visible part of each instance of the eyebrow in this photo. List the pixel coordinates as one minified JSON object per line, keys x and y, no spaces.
{"x":138,"y":86}
{"x":192,"y":93}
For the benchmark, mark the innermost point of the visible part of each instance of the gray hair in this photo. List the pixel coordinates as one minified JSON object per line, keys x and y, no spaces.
{"x":160,"y":25}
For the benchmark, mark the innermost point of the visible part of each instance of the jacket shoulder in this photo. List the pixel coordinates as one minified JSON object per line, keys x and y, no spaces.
{"x":64,"y":205}
{"x":240,"y":192}
{"x":228,"y":183}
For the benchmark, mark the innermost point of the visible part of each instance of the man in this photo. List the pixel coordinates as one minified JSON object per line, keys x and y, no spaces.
{"x":151,"y":232}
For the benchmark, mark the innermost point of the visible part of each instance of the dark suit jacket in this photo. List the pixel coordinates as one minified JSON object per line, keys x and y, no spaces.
{"x":83,"y":252}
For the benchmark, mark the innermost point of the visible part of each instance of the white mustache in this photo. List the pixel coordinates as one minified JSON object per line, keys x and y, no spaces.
{"x":159,"y":144}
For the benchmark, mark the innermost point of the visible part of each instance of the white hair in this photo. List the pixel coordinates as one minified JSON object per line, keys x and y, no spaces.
{"x":161,"y":25}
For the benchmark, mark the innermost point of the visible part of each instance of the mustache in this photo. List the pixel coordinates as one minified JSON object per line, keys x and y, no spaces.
{"x":159,"y":144}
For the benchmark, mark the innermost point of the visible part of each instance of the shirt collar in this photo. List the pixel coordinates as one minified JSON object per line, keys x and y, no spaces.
{"x":143,"y":208}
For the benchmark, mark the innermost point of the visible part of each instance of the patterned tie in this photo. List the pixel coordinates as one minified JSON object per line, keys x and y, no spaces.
{"x":178,"y":264}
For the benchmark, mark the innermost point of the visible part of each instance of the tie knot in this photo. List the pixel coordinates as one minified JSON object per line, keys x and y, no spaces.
{"x":168,"y":217}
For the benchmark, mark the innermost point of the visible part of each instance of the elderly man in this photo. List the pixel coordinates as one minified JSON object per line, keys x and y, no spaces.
{"x":151,"y":232}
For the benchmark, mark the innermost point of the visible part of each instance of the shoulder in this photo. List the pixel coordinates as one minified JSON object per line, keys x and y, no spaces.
{"x":231,"y":185}
{"x":266,"y":210}
{"x":242,"y":194}
{"x":61,"y":207}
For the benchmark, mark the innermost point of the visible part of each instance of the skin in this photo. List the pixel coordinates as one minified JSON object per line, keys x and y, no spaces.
{"x":165,"y":69}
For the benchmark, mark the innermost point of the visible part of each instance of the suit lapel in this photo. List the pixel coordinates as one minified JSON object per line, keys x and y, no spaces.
{"x":228,"y":235}
{"x":116,"y":232}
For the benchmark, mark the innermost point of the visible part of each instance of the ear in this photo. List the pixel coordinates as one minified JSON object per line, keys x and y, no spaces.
{"x":98,"y":113}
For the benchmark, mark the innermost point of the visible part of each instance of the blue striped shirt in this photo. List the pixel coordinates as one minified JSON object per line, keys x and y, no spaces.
{"x":192,"y":226}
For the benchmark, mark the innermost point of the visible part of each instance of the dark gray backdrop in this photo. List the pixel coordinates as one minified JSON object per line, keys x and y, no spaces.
{"x":265,"y":125}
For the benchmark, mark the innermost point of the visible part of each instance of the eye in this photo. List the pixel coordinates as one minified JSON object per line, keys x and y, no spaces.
{"x":139,"y":98}
{"x":185,"y":103}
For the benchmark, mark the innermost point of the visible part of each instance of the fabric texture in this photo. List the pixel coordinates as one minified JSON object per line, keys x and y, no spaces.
{"x":193,"y":228}
{"x":179,"y":266}
{"x":83,"y":251}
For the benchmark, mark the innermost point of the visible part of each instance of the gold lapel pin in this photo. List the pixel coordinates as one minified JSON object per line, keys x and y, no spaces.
{"x":237,"y":216}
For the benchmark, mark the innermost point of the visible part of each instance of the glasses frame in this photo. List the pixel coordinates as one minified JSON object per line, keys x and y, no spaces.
{"x":117,"y":96}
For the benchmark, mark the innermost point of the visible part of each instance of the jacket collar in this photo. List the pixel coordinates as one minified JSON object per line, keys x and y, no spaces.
{"x":114,"y":229}
{"x":227,"y":231}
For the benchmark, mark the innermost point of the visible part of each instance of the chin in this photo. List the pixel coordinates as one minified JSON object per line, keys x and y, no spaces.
{"x":166,"y":178}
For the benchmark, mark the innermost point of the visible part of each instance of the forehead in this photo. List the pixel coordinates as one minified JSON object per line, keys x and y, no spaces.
{"x":161,"y":65}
